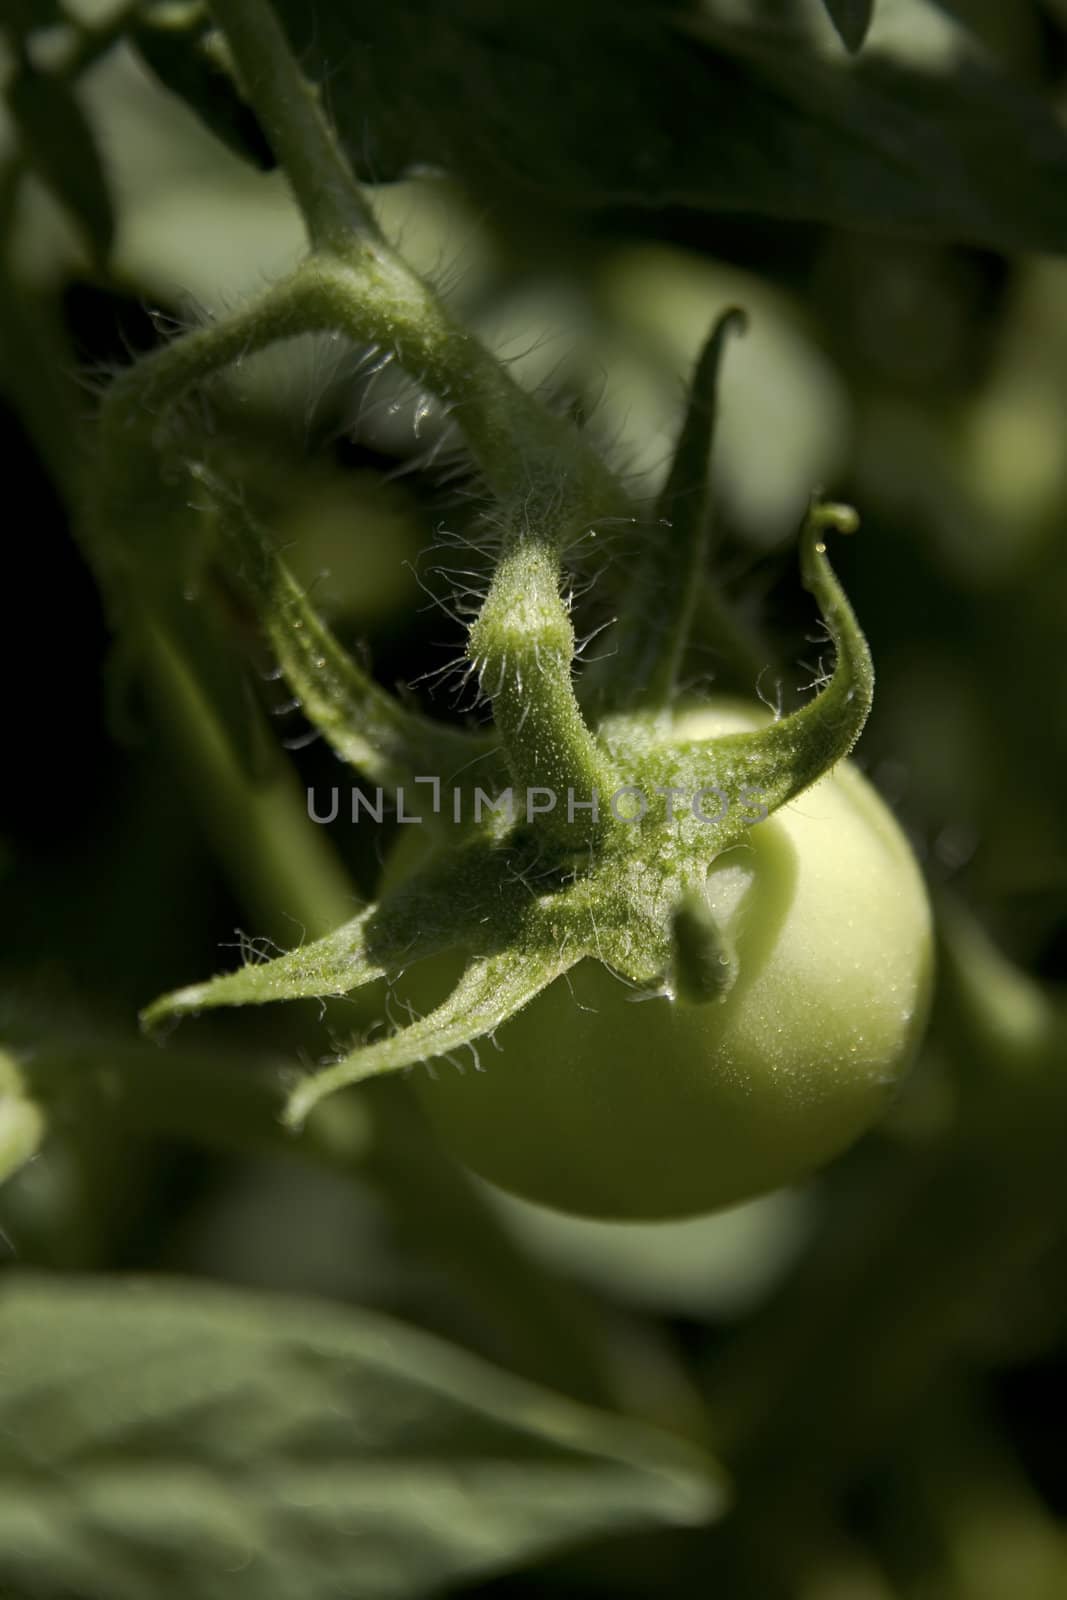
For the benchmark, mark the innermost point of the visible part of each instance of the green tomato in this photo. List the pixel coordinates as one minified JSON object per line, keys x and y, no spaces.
{"x":607,"y":1104}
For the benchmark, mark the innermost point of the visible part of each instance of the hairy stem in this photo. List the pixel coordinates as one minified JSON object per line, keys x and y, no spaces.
{"x":290,"y":110}
{"x":524,"y":452}
{"x":538,"y":468}
{"x":141,"y":399}
{"x":523,"y":646}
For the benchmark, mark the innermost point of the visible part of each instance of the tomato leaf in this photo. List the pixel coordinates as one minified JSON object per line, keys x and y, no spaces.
{"x":172,"y":1439}
{"x":174,"y":43}
{"x":852,"y":19}
{"x":721,"y":107}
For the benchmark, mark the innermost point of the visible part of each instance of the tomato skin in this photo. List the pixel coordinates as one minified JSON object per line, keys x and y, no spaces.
{"x":604,"y":1104}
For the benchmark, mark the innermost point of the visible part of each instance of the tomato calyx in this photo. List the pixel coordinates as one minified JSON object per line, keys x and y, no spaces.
{"x":613,"y":816}
{"x":525,"y":904}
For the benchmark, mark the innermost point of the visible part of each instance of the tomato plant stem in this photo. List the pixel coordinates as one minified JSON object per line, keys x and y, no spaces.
{"x":524,"y":451}
{"x":289,"y":108}
{"x":523,"y":647}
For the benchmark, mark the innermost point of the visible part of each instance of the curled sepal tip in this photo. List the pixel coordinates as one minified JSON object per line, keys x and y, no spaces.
{"x":490,"y":991}
{"x":849,"y":691}
{"x":785,"y":757}
{"x":828,"y":516}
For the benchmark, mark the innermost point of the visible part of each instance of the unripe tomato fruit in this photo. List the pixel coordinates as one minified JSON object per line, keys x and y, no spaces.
{"x":606,"y":1105}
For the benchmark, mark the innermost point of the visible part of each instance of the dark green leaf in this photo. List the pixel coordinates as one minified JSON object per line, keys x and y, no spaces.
{"x":170,"y":1439}
{"x":60,"y":144}
{"x":24,"y":16}
{"x":174,"y":42}
{"x":851,"y":18}
{"x":542,"y":104}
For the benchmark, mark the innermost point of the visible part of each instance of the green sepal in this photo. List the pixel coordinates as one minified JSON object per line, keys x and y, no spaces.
{"x":491,"y":990}
{"x":333,"y":965}
{"x":643,"y":651}
{"x":437,"y":908}
{"x":779,"y":761}
{"x":363,"y":724}
{"x":705,"y":962}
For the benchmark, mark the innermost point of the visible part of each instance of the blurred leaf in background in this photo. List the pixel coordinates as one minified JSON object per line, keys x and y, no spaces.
{"x":180,"y":1440}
